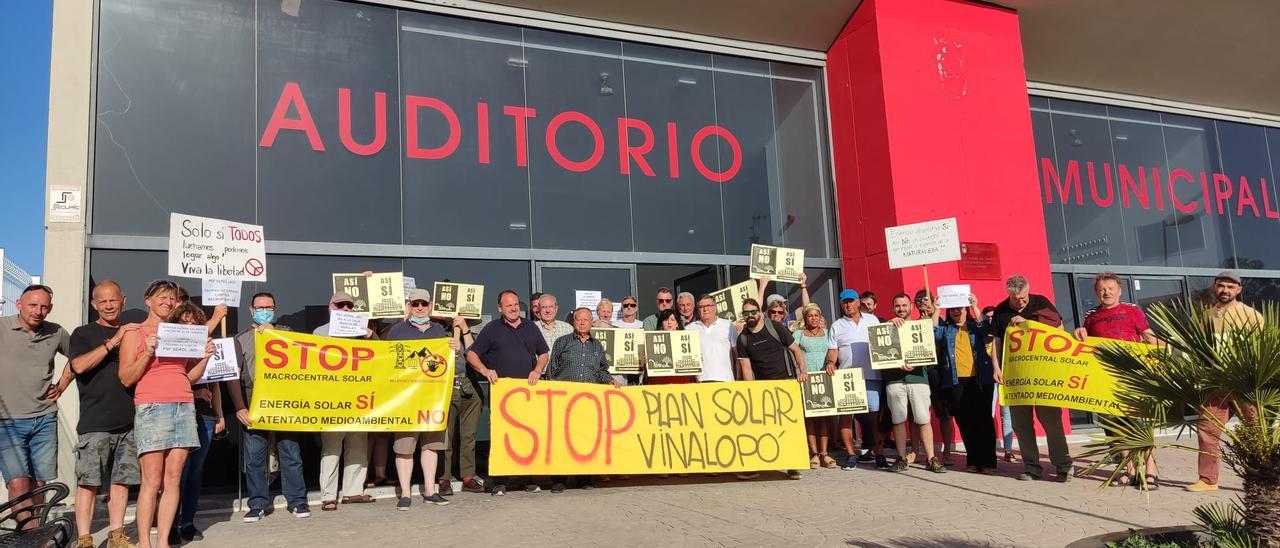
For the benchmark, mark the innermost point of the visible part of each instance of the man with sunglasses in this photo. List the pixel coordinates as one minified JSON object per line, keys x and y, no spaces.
{"x":762,"y":351}
{"x":665,"y":299}
{"x":28,"y":416}
{"x":350,"y":447}
{"x":627,"y":319}
{"x":417,"y":326}
{"x":262,"y":308}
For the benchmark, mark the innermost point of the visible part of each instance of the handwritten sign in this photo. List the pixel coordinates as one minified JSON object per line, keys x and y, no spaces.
{"x":380,"y":295}
{"x":922,"y":243}
{"x":203,"y":247}
{"x":784,"y":264}
{"x":176,"y":340}
{"x":452,"y":299}
{"x":410,"y":284}
{"x":347,"y":324}
{"x":223,"y":365}
{"x":581,"y":428}
{"x":216,"y":291}
{"x":844,"y":393}
{"x":954,"y":296}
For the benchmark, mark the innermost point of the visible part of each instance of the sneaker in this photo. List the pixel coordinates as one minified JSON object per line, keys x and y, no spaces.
{"x":472,"y":485}
{"x":1201,"y":486}
{"x":881,"y":462}
{"x":532,"y":488}
{"x":793,"y":474}
{"x":436,"y":499}
{"x":935,"y":466}
{"x":1028,"y":476}
{"x":499,"y":490}
{"x":254,"y":514}
{"x":1010,"y":457}
{"x":302,"y":511}
{"x":899,"y":465}
{"x":190,"y":533}
{"x":814,"y":462}
{"x":851,"y":464}
{"x":404,"y":503}
{"x":557,"y":487}
{"x":748,"y":475}
{"x":445,"y":487}
{"x":911,"y":457}
{"x":84,"y":541}
{"x":115,"y":539}
{"x":1065,"y":475}
{"x":866,"y":457}
{"x":828,"y":462}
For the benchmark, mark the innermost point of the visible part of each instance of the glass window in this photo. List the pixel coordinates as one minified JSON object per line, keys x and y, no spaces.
{"x":695,"y":279}
{"x":495,"y":276}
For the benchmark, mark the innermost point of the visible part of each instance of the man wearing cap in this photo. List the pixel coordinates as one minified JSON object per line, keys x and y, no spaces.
{"x":29,"y":416}
{"x":418,"y":326}
{"x":257,"y":480}
{"x":1022,"y":305}
{"x":848,"y":347}
{"x":1227,"y":314}
{"x":663,"y":300}
{"x":351,"y":447}
{"x":717,"y":338}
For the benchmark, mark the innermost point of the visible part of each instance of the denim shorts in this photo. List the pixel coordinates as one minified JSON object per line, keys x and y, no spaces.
{"x":29,"y":448}
{"x":875,"y":387}
{"x":104,"y":458}
{"x":160,"y":426}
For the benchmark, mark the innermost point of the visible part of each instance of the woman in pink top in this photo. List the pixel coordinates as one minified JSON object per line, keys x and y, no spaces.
{"x":164,"y":423}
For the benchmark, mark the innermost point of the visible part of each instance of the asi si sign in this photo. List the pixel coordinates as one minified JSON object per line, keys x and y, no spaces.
{"x":201,"y":247}
{"x":922,"y":243}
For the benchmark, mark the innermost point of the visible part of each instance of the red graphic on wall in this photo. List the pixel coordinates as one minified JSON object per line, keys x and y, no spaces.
{"x":979,"y":261}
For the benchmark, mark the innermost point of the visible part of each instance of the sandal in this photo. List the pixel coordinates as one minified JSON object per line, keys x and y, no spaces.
{"x":1123,"y":481}
{"x":357,"y":499}
{"x":1152,"y":483}
{"x":329,"y":505}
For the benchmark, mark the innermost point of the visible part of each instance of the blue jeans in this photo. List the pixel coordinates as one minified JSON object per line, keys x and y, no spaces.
{"x":255,"y":469}
{"x":193,"y":472}
{"x":29,"y":448}
{"x":1006,"y":424}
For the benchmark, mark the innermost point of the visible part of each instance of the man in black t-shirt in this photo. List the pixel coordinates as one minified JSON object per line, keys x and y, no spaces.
{"x":762,"y":354}
{"x":1021,"y":306}
{"x":106,"y":453}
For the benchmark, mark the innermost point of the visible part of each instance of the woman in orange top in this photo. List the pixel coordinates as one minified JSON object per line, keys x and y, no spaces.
{"x":164,"y":423}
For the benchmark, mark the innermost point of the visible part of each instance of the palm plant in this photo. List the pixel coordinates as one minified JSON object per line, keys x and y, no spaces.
{"x":1198,"y":366}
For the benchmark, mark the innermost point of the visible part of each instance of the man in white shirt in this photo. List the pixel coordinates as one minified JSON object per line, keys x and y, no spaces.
{"x":847,"y":347}
{"x":717,"y":336}
{"x":627,"y":319}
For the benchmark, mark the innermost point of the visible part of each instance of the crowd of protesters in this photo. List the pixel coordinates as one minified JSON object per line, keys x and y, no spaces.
{"x":145,"y":423}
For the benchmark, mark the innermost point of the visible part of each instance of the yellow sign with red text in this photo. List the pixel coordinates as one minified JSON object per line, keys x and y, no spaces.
{"x":305,"y":383}
{"x":578,"y":428}
{"x":1044,"y":365}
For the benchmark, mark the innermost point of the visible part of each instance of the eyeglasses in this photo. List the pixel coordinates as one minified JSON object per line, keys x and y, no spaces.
{"x":158,"y":285}
{"x":419,"y":303}
{"x":664,"y":300}
{"x":628,"y":305}
{"x":750,"y":312}
{"x":778,"y":312}
{"x":39,"y":287}
{"x":344,"y":305}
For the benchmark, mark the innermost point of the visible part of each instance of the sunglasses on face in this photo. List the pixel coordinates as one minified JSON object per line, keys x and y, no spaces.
{"x":750,"y":313}
{"x":664,"y":300}
{"x":344,"y":305}
{"x":628,"y":305}
{"x":419,"y":303}
{"x":778,"y":312}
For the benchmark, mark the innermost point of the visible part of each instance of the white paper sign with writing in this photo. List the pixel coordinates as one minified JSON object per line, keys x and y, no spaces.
{"x":588,"y":299}
{"x":202,"y":247}
{"x":954,"y":296}
{"x":347,"y":324}
{"x":223,"y":364}
{"x":410,"y":284}
{"x":922,"y":243}
{"x":176,"y":340}
{"x":216,"y":291}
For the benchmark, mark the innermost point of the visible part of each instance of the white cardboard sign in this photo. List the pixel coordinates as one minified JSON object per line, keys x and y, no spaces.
{"x":216,"y":291}
{"x":202,"y":247}
{"x":223,"y":364}
{"x":177,"y":340}
{"x":922,"y":243}
{"x":954,"y":296}
{"x":347,"y":324}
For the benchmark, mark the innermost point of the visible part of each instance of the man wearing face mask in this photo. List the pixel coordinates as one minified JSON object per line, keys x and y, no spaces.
{"x":263,"y":309}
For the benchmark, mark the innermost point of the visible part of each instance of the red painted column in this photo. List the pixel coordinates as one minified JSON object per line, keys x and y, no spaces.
{"x":930,"y":119}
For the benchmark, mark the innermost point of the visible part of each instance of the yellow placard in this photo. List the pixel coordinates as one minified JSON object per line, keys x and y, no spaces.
{"x":305,"y":383}
{"x":1044,"y":365}
{"x":579,"y":428}
{"x":380,"y":295}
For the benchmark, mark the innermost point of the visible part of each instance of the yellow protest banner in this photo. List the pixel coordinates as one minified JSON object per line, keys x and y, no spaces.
{"x":1044,"y":365}
{"x":305,"y":383}
{"x":578,"y":428}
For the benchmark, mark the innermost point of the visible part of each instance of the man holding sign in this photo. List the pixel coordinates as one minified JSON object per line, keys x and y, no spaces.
{"x":511,"y":349}
{"x":762,"y":350}
{"x":350,"y":447}
{"x":577,"y":357}
{"x":1021,"y":306}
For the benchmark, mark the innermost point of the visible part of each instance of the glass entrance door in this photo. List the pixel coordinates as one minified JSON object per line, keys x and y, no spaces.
{"x":565,"y":280}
